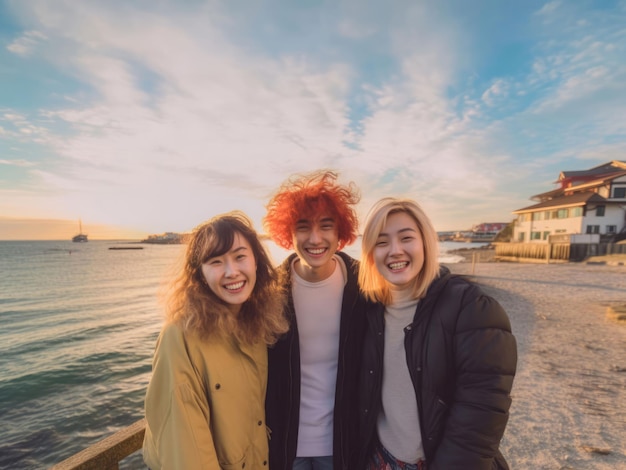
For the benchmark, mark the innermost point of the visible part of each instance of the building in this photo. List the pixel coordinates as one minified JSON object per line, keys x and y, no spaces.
{"x":489,"y":229}
{"x":167,"y":238}
{"x":590,"y":202}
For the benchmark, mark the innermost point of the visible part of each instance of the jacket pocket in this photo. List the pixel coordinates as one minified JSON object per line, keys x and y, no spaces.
{"x":437,"y":421}
{"x":239,"y":464}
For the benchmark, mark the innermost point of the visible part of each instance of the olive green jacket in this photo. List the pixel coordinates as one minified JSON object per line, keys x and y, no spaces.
{"x":205,"y":404}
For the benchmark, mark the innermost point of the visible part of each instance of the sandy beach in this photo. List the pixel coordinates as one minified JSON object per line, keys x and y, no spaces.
{"x":569,"y":395}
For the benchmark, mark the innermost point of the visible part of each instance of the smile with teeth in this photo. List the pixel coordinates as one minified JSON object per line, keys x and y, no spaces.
{"x":398,"y":265}
{"x":316,"y":251}
{"x":234,"y":286}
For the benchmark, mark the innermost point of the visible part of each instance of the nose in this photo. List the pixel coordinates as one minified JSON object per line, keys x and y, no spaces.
{"x":230,"y":269}
{"x":315,"y":236}
{"x":394,"y":247}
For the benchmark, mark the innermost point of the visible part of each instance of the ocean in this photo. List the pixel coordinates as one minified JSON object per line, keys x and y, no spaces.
{"x":78,"y":325}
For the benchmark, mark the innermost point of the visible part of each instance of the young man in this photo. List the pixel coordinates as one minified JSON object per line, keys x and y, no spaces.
{"x":312,"y":379}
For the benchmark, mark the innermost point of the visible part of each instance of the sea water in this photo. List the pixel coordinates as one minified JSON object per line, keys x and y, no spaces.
{"x":78,"y":325}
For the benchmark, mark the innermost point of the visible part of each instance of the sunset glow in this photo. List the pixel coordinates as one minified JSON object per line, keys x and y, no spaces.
{"x":146,"y":117}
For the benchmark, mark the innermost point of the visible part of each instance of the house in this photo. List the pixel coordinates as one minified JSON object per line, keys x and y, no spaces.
{"x":591,"y":202}
{"x":488,"y":229}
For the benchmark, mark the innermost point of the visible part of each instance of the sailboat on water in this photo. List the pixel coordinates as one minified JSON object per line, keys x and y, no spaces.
{"x":81,"y":237}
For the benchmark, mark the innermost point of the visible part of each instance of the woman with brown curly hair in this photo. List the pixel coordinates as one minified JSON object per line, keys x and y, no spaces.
{"x":205,"y":401}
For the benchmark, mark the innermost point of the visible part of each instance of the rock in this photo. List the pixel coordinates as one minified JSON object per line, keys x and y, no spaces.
{"x":616,"y":313}
{"x":596,"y":450}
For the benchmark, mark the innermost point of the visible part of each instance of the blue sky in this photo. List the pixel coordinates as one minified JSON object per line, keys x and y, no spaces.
{"x":150,"y":116}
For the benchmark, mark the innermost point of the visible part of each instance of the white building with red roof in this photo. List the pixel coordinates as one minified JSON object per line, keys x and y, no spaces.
{"x":589,"y":202}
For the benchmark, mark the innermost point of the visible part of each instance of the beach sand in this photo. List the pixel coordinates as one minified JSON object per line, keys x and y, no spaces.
{"x":569,"y":395}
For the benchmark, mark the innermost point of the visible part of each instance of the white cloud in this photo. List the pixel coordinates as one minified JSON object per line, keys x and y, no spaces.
{"x":218,"y":128}
{"x":549,"y":8}
{"x":353,"y":30}
{"x":18,"y":163}
{"x":26,"y":43}
{"x":176,"y":120}
{"x":12,"y":117}
{"x":499,"y":88}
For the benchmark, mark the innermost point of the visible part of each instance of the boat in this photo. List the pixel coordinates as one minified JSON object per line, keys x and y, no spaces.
{"x":81,"y":237}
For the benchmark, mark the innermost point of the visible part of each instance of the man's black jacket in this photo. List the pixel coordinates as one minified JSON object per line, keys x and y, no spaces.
{"x":283,"y":385}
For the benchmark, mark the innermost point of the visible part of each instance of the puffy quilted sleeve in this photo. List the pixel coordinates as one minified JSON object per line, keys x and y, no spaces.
{"x":178,"y":433}
{"x":485,"y":359}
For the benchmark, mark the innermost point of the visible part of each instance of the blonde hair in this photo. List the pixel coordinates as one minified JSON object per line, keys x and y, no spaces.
{"x":190,"y":302}
{"x":372,"y":283}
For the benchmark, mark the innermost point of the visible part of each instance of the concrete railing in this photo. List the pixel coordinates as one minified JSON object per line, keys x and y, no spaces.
{"x":107,"y":453}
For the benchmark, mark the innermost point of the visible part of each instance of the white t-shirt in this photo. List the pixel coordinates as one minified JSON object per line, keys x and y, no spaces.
{"x":318,"y":314}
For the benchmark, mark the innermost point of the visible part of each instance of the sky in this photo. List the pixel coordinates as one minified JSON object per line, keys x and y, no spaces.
{"x":142,"y":117}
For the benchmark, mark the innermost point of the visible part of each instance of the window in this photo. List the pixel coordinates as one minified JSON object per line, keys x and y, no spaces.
{"x":600,"y":211}
{"x":611,"y":229}
{"x":546,"y":215}
{"x":593,"y":229}
{"x":546,"y":235}
{"x":535,"y":235}
{"x":577,"y":212}
{"x":562,"y":214}
{"x":537,"y":215}
{"x":521,"y":236}
{"x":619,"y":193}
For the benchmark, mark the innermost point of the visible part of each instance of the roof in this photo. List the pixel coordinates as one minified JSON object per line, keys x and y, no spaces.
{"x":605,"y":169}
{"x":600,"y":180}
{"x":577,"y":199}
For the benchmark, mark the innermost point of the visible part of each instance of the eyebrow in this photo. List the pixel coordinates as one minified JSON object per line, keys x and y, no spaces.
{"x":402,"y":230}
{"x":309,"y":221}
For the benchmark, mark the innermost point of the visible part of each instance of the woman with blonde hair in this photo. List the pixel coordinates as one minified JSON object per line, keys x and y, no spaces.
{"x":438,"y":359}
{"x":205,"y":401}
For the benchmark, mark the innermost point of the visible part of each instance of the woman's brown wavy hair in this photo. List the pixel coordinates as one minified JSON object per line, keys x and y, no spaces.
{"x":190,"y":302}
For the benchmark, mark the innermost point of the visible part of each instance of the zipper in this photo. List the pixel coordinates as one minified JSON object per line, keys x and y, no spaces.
{"x":343,"y":348}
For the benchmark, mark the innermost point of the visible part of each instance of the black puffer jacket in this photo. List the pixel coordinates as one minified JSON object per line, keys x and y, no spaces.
{"x":462,"y":358}
{"x":283,"y":385}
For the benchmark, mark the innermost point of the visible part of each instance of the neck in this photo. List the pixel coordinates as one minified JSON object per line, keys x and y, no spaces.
{"x":314,"y":274}
{"x":399,"y":295}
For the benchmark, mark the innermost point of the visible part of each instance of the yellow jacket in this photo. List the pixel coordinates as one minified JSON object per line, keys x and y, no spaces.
{"x":205,"y":404}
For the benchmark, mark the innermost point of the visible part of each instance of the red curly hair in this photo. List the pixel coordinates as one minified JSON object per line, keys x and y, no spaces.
{"x":307,"y":196}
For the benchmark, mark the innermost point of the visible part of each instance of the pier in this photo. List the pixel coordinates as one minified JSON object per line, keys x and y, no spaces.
{"x":107,"y":453}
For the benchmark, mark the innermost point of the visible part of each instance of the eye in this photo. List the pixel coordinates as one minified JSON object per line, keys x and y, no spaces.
{"x":214,"y":262}
{"x":408,"y":238}
{"x":241,"y":257}
{"x":381,"y":243}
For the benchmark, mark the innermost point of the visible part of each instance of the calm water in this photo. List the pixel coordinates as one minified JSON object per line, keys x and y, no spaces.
{"x":78,"y":324}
